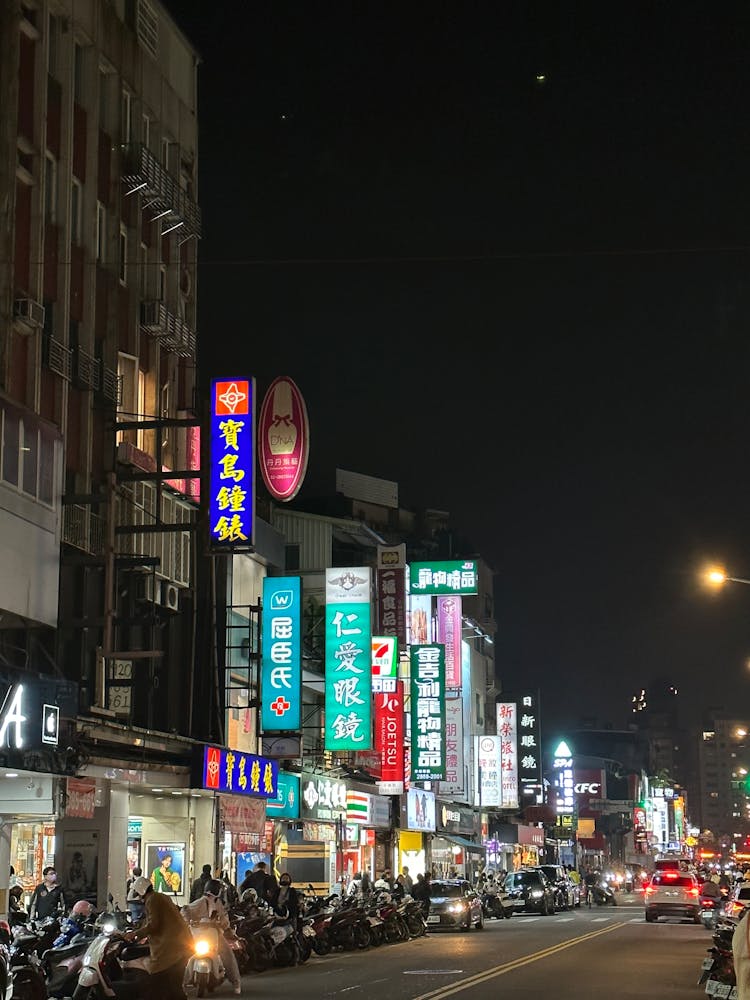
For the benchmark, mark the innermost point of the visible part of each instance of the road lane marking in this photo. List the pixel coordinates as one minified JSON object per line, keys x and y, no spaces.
{"x":517,"y":963}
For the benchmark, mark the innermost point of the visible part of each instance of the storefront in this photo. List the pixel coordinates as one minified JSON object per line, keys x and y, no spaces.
{"x":316,"y":852}
{"x":367,"y":834}
{"x":417,"y":824}
{"x":517,"y":845}
{"x":453,"y":848}
{"x":282,"y":815}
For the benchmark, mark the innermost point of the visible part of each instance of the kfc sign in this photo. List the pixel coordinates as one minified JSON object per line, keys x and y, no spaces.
{"x":587,"y":787}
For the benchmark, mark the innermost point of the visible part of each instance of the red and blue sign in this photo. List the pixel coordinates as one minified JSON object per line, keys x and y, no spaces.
{"x":220,"y":769}
{"x":281,"y":655}
{"x":231,"y":501}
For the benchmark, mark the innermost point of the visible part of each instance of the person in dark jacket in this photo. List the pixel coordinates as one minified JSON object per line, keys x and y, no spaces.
{"x":285,"y":896}
{"x":170,"y":941}
{"x":262,"y":881}
{"x":48,"y":898}
{"x":423,"y":892}
{"x":196,"y":890}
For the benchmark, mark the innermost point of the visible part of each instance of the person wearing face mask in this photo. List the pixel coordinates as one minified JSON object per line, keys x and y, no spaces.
{"x":48,"y":897}
{"x":286,"y":898}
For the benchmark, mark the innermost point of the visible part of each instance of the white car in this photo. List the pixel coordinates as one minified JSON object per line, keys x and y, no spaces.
{"x":673,"y":894}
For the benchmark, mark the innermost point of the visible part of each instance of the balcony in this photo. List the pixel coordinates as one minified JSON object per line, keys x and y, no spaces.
{"x":171,"y":331}
{"x":83,"y":529}
{"x":161,"y":192}
{"x":57,"y":357}
{"x":88,"y":370}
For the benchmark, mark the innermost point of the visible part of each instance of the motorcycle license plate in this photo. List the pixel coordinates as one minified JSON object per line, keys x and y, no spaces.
{"x":711,"y":987}
{"x":434,"y":918}
{"x":308,"y":931}
{"x":708,"y":963}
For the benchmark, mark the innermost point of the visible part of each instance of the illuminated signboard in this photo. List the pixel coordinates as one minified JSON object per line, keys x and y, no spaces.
{"x":348,"y":652}
{"x":458,"y":576}
{"x":384,"y":663}
{"x":427,"y":712}
{"x":563,"y":781}
{"x":449,"y":623}
{"x":219,"y":769}
{"x":286,"y":803}
{"x":281,"y":660}
{"x":507,"y":730}
{"x":231,"y":500}
{"x":283,"y":439}
{"x":529,"y":743}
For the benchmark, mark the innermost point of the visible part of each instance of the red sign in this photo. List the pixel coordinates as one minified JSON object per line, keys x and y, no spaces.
{"x":283,"y":439}
{"x":389,"y":732}
{"x":213,"y":767}
{"x":81,"y":797}
{"x":232,"y":398}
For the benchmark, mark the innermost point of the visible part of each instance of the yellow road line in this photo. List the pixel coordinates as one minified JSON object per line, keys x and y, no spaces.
{"x":517,"y":963}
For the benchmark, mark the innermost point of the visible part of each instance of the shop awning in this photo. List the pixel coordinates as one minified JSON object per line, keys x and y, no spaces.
{"x":466,"y":845}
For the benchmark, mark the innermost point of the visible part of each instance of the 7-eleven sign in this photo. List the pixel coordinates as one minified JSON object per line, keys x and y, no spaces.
{"x":384,"y":662}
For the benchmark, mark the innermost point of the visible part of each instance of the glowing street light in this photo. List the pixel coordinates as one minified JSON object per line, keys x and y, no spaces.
{"x":717,"y":577}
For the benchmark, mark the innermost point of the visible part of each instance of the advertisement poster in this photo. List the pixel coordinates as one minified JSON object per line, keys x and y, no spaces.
{"x":78,"y":872}
{"x":165,"y":866}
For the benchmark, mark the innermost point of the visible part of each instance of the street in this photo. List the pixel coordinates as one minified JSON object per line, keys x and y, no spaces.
{"x":610,"y":953}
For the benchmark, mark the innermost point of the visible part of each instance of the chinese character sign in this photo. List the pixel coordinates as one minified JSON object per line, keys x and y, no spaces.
{"x":488,"y":783}
{"x":449,"y":633}
{"x":453,"y":785}
{"x":508,"y":733}
{"x":224,"y":770}
{"x":389,"y":733}
{"x":529,"y":740}
{"x":281,"y":659}
{"x":391,"y":592}
{"x":348,"y":651}
{"x":428,"y":712}
{"x":452,"y":577}
{"x":283,"y":439}
{"x":232,"y":469}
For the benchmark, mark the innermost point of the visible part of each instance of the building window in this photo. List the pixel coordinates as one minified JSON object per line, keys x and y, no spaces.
{"x":126,"y":116}
{"x":165,"y":144}
{"x":76,"y":204}
{"x":104,"y":85}
{"x":162,"y":283}
{"x":50,"y":188}
{"x":146,"y":131}
{"x":52,"y":30}
{"x":101,"y":232}
{"x":78,"y":70}
{"x":123,"y":255}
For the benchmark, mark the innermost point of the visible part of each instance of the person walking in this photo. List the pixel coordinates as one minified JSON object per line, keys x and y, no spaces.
{"x":422,"y":891}
{"x":405,"y":880}
{"x":170,"y":942}
{"x":262,"y":881}
{"x":48,"y":897}
{"x":199,"y":884}
{"x":210,"y":907}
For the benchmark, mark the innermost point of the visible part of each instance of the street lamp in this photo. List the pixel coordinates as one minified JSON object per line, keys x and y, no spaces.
{"x":716,"y":577}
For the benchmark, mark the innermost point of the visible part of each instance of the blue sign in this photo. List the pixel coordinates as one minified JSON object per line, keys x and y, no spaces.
{"x":286,"y":803}
{"x":231,"y":501}
{"x":219,"y":769}
{"x":281,"y":654}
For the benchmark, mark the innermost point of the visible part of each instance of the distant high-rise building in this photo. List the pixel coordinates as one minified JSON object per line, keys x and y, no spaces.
{"x":723,"y":761}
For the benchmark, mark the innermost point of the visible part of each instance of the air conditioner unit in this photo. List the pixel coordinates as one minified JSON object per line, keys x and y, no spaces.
{"x":29,"y":312}
{"x":148,"y":588}
{"x":170,"y":596}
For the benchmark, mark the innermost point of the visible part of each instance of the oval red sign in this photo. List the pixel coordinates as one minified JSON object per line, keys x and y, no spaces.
{"x":283,"y":439}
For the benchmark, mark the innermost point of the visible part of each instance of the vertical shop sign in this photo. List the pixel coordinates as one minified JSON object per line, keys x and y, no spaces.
{"x":428,"y":712}
{"x":449,"y":633}
{"x":283,"y":439}
{"x":389,"y":739}
{"x":488,"y":771}
{"x":281,"y":654}
{"x":529,"y":742}
{"x":231,"y":501}
{"x":348,"y":650}
{"x":453,"y":785}
{"x":391,"y":592}
{"x":384,"y":663}
{"x":507,"y":731}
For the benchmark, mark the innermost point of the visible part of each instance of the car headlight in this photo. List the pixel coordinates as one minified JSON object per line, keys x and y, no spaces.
{"x":457,"y":908}
{"x":536,"y":893}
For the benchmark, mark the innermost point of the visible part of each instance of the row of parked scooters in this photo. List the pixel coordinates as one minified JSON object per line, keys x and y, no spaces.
{"x":90,"y":959}
{"x":717,"y":974}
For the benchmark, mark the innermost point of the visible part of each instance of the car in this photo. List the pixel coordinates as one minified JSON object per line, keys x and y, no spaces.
{"x":672,"y":893}
{"x":530,"y":891}
{"x":567,"y":893}
{"x":454,"y":905}
{"x":738,"y":901}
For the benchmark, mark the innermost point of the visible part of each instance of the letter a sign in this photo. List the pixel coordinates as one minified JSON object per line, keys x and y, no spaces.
{"x":12,"y":718}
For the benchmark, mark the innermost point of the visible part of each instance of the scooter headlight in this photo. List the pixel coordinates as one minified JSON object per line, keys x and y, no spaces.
{"x":202,"y":947}
{"x":109,"y":927}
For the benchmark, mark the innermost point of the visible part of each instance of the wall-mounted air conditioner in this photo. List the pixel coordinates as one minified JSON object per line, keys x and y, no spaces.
{"x":170,"y":596}
{"x":29,"y":312}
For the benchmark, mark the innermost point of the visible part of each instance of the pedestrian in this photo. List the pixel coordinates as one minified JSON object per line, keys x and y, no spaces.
{"x":286,"y":897}
{"x":405,"y":880}
{"x":170,"y":941}
{"x":196,"y":889}
{"x":263,"y":882}
{"x":209,"y":906}
{"x":48,"y":897}
{"x":422,"y":891}
{"x":247,"y":882}
{"x":230,"y":896}
{"x":137,"y":871}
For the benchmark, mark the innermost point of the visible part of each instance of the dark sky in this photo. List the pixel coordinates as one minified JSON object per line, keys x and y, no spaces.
{"x":526,"y":302}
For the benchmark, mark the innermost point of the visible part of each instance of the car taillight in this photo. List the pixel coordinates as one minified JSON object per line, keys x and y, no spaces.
{"x":695,"y":891}
{"x":649,"y":889}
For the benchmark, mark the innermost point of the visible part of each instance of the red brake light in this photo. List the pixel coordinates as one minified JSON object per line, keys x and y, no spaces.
{"x":649,"y":888}
{"x":670,"y":874}
{"x":695,"y":892}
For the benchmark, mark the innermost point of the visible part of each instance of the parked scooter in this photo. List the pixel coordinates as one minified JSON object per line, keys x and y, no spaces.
{"x":719,"y":963}
{"x":113,"y":968}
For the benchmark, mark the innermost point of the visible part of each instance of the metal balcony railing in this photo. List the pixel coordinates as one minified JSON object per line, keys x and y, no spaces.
{"x":57,"y":357}
{"x":161,"y":192}
{"x":83,"y":529}
{"x":171,"y":331}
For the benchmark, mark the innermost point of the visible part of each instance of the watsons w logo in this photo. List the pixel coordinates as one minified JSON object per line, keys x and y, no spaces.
{"x":282,"y":600}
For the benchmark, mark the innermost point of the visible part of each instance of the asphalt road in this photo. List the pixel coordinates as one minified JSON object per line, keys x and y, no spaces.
{"x":609,"y":952}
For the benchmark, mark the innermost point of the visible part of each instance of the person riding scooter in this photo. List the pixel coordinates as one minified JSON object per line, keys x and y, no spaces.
{"x":209,"y":907}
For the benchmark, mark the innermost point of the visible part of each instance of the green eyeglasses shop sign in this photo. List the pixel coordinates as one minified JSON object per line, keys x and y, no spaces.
{"x":428,"y":712}
{"x":348,"y":723}
{"x":458,"y":576}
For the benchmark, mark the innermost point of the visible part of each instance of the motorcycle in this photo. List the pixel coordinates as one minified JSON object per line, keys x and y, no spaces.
{"x":25,"y":966}
{"x":113,"y":968}
{"x":717,"y":969}
{"x":709,"y":912}
{"x":205,"y":970}
{"x":603,"y":894}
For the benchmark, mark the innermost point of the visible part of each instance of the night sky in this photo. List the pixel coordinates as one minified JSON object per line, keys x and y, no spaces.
{"x":525,"y":300}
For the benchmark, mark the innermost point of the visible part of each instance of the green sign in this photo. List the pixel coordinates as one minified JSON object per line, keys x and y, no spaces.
{"x":428,"y":712}
{"x":457,"y":576}
{"x":348,"y":649}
